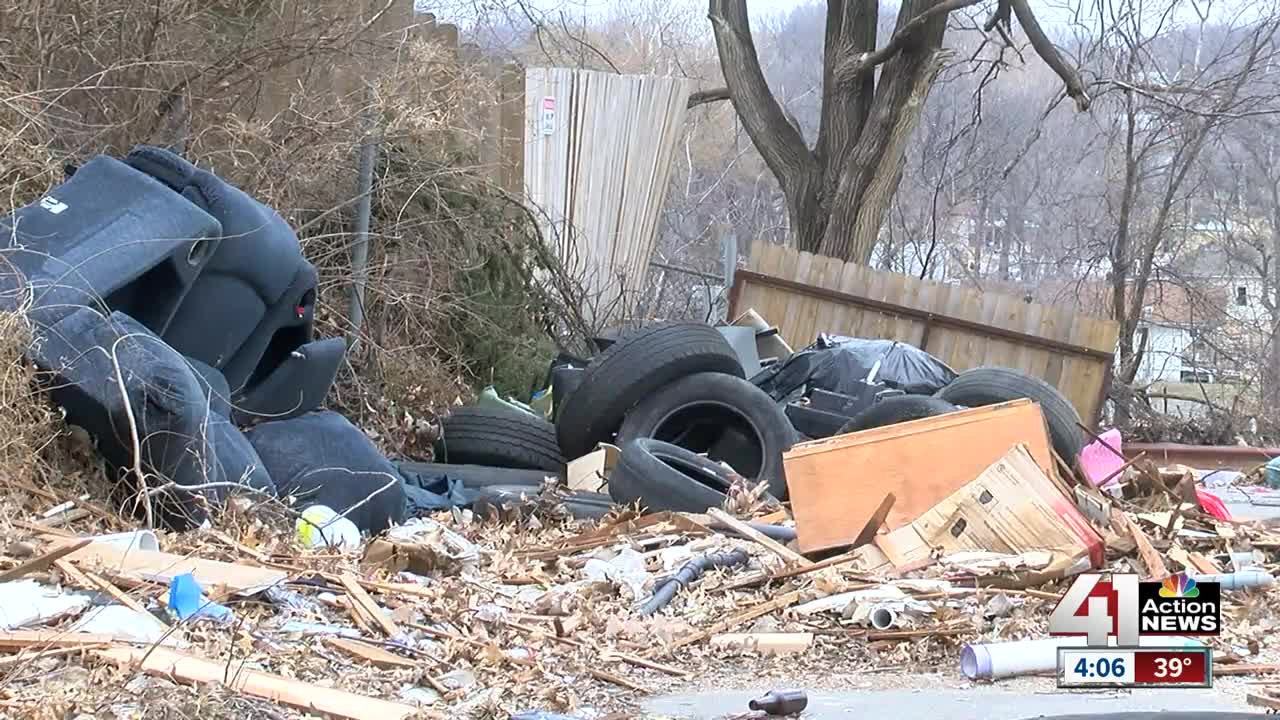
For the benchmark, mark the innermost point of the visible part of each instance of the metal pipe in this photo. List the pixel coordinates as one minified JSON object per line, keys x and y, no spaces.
{"x":364,"y":212}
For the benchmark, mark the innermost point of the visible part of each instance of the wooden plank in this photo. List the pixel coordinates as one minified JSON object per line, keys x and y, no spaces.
{"x":1156,"y":569}
{"x":180,"y":667}
{"x":17,"y":639}
{"x":218,"y":578}
{"x":875,"y":521}
{"x":372,"y":612}
{"x":371,"y":654}
{"x":831,"y":507}
{"x":42,"y":562}
{"x":788,"y":555}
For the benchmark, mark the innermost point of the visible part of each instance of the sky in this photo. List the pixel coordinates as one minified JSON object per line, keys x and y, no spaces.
{"x":1057,"y":16}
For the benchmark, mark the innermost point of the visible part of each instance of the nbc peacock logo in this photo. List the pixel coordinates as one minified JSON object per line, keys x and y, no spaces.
{"x":1179,"y":586}
{"x":1179,"y":605}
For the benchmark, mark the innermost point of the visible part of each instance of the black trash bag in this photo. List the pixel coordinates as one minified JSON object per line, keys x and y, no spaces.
{"x":320,"y":458}
{"x":841,"y":364}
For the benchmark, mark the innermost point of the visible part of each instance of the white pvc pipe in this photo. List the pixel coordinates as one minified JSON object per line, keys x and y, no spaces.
{"x":883,"y":617}
{"x":132,"y":540}
{"x":992,"y":661}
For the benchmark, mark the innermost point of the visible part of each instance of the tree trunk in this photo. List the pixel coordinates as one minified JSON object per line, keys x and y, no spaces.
{"x":870,"y":179}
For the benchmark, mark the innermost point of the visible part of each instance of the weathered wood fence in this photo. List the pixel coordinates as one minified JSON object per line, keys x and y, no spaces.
{"x":805,"y":294}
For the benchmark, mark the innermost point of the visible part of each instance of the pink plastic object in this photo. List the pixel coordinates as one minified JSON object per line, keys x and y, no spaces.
{"x":1098,"y":461}
{"x":1212,"y":504}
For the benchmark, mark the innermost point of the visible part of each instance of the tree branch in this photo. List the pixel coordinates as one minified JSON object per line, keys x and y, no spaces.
{"x":1045,"y":48}
{"x":704,"y":97}
{"x":779,"y":143}
{"x":852,"y":67}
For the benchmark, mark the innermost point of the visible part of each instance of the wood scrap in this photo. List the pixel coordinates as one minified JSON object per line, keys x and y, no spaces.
{"x":372,"y":611}
{"x":763,"y":577}
{"x":1151,"y":559}
{"x":116,"y":594}
{"x":789,"y":556}
{"x":41,"y":529}
{"x":617,"y":680}
{"x":43,"y":562}
{"x":1220,"y":670}
{"x":218,"y":578}
{"x":777,"y":603}
{"x":17,"y":639}
{"x":372,"y":654}
{"x":25,"y":657}
{"x":180,"y":667}
{"x":876,"y":521}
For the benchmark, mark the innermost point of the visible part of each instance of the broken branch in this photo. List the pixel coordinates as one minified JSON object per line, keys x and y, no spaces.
{"x":1045,"y":48}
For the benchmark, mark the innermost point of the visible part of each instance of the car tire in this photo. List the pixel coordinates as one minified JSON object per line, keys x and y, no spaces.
{"x":661,"y":476}
{"x":894,"y":410}
{"x":725,"y":417}
{"x":498,"y":438}
{"x":991,"y":385}
{"x":632,"y":369}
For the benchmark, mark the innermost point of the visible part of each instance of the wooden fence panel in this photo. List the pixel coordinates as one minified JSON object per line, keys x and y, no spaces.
{"x":804,"y":294}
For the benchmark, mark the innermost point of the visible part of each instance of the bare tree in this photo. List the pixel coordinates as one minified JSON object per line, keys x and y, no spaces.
{"x":1165,"y":114}
{"x":839,"y":190}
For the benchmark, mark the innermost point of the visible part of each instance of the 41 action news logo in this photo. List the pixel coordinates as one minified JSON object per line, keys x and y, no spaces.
{"x":1125,"y":608}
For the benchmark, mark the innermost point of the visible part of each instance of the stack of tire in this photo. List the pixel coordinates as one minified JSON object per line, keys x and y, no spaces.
{"x":980,"y":387}
{"x":673,"y":397}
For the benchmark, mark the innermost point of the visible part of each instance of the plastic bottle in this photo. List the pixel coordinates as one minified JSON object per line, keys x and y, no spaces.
{"x":320,"y":526}
{"x":781,"y":702}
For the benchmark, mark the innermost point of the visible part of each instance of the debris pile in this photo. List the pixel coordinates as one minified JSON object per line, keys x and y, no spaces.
{"x":688,"y":499}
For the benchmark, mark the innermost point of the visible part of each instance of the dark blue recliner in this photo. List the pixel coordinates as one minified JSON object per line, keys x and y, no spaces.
{"x":251,"y":312}
{"x":109,"y":237}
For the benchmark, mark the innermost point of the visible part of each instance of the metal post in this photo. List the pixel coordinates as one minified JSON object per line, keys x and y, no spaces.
{"x":729,"y":256}
{"x":364,"y":207}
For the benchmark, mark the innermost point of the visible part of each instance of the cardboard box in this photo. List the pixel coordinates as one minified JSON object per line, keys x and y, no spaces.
{"x":591,"y":471}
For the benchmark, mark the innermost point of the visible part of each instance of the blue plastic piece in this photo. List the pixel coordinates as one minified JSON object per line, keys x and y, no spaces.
{"x":187,"y":599}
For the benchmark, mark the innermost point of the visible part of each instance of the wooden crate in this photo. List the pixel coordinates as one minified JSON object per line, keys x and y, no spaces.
{"x":836,"y":484}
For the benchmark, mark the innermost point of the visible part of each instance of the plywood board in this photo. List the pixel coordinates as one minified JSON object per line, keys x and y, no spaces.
{"x":837,"y":484}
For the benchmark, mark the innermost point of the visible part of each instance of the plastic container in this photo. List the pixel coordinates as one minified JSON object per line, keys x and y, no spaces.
{"x":320,"y":526}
